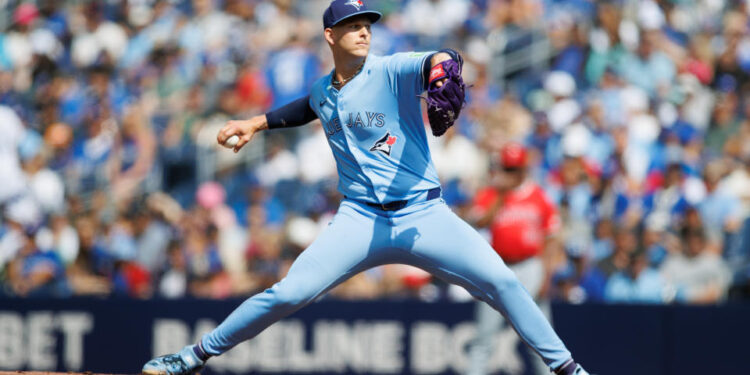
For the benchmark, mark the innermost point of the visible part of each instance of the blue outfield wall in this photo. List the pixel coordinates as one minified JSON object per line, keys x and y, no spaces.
{"x":118,"y":336}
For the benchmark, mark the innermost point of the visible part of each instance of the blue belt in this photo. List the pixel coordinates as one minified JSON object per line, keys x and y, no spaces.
{"x":397,"y":205}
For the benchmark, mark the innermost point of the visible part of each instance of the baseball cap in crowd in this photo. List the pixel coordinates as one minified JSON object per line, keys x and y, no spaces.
{"x":340,"y":10}
{"x":513,"y":155}
{"x":25,"y":14}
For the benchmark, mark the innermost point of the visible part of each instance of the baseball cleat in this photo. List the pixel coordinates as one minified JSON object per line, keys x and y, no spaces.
{"x":184,"y":362}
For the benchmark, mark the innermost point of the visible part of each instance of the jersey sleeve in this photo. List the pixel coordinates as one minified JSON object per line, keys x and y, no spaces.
{"x":405,"y":72}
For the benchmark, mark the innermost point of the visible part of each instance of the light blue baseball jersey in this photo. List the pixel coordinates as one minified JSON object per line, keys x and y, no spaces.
{"x":375,"y":129}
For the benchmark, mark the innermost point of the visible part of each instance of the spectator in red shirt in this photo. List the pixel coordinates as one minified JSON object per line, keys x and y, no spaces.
{"x":521,"y":221}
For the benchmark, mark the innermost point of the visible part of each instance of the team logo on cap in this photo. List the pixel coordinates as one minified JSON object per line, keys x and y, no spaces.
{"x":384,"y":144}
{"x":355,"y":3}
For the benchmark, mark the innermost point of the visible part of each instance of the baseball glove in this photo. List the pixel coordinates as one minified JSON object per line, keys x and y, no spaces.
{"x":444,"y":103}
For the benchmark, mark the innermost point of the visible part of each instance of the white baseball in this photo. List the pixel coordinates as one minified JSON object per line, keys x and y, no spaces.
{"x":231,"y":141}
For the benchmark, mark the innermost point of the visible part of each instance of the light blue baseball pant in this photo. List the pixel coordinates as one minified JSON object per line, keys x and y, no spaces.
{"x":427,"y":235}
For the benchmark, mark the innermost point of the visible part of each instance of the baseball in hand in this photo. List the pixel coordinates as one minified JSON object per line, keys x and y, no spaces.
{"x":231,"y":141}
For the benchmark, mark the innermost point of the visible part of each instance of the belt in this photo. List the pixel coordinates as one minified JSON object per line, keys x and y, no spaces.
{"x":397,"y":205}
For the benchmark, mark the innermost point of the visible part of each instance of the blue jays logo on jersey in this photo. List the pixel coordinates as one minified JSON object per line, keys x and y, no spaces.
{"x":355,"y":3}
{"x":384,"y":144}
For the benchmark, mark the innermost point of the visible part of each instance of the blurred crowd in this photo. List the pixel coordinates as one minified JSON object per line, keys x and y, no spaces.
{"x":636,"y":115}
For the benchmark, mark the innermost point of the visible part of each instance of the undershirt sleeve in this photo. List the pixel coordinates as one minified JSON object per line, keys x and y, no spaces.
{"x":296,"y":113}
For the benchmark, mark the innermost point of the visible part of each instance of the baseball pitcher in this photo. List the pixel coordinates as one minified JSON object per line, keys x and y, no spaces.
{"x":392,"y":211}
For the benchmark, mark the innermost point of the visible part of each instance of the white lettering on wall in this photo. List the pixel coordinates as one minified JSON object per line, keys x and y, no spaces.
{"x":333,"y":347}
{"x":436,"y":348}
{"x":74,"y":326}
{"x":506,"y":356}
{"x":387,"y":342}
{"x":31,"y":341}
{"x":12,"y":348}
{"x":336,"y":346}
{"x":428,"y":354}
{"x":170,"y":335}
{"x":39,"y":326}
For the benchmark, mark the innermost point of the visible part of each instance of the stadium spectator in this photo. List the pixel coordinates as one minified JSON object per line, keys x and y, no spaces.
{"x":579,"y":280}
{"x":35,"y":273}
{"x":720,"y":212}
{"x":522,"y":222}
{"x":173,"y":281}
{"x":637,"y":283}
{"x":697,"y":275}
{"x":625,"y":244}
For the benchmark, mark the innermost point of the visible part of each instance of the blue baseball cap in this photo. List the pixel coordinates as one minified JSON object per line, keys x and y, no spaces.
{"x":340,"y":10}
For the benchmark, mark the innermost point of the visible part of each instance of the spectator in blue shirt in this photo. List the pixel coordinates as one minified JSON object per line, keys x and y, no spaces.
{"x":34,"y":273}
{"x":669,"y":199}
{"x":720,"y":211}
{"x":649,"y":68}
{"x":636,"y":284}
